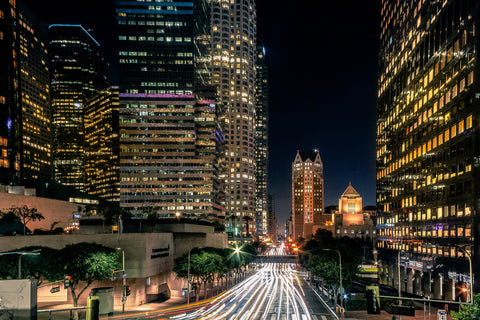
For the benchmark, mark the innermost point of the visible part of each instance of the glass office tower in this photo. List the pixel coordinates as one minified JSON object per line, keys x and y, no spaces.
{"x":261,"y":143}
{"x":25,"y":136}
{"x":427,"y":146}
{"x":77,"y":71}
{"x":169,"y":133}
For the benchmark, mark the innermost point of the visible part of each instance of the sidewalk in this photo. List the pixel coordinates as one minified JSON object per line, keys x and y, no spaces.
{"x":362,"y":315}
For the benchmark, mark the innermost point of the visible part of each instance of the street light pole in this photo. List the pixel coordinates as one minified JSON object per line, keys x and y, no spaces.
{"x":471,"y":274}
{"x":340,"y":265}
{"x":20,"y":254}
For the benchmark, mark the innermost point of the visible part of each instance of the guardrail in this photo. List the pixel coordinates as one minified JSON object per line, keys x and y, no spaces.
{"x":50,"y":311}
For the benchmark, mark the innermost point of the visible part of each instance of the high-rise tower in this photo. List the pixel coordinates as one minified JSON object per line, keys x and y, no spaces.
{"x":307,"y":192}
{"x":77,"y":71}
{"x":102,"y":166}
{"x":261,"y":143}
{"x":234,"y":34}
{"x":427,"y":145}
{"x":170,"y":138}
{"x":25,"y":136}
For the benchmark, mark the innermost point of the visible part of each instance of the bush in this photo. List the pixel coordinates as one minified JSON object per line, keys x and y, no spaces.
{"x":353,"y":305}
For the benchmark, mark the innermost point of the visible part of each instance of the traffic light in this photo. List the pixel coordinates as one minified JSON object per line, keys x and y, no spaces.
{"x":128,"y":290}
{"x":66,"y":282}
{"x":113,"y":276}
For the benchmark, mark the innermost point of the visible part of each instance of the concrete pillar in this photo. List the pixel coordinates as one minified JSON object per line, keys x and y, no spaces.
{"x":438,"y":283}
{"x":410,"y":279}
{"x":427,"y":284}
{"x":417,"y":283}
{"x":449,"y":289}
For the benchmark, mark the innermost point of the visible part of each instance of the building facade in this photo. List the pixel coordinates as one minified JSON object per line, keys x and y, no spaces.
{"x":261,"y":144}
{"x":170,"y":137}
{"x":427,"y":146}
{"x":307,"y":192}
{"x":351,"y":220}
{"x":25,"y":135}
{"x":102,"y":145}
{"x":234,"y":40}
{"x":77,"y":72}
{"x":272,"y":223}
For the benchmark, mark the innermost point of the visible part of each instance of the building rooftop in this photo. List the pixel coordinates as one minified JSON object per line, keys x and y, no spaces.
{"x":350,"y":192}
{"x":312,"y":155}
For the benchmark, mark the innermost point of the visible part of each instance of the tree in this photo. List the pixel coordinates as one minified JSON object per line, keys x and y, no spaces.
{"x":25,"y":214}
{"x":87,"y":262}
{"x":45,"y":267}
{"x":468,"y":311}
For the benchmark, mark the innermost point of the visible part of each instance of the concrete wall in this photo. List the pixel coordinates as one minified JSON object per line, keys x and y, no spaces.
{"x":149,"y":259}
{"x":52,"y":210}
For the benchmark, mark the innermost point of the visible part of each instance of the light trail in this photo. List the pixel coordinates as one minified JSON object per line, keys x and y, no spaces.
{"x":274,"y":292}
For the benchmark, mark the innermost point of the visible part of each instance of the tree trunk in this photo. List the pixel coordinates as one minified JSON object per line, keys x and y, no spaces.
{"x":75,"y":303}
{"x":204,"y":290}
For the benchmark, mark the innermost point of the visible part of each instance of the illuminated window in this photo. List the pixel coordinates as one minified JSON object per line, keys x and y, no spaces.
{"x":468,"y":123}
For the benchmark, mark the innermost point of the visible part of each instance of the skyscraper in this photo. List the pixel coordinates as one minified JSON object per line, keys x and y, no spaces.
{"x":307,"y":192}
{"x":261,"y":143}
{"x":234,"y":36}
{"x":25,"y":136}
{"x":102,"y":164}
{"x":77,"y":71}
{"x":427,"y":146}
{"x":170,"y":138}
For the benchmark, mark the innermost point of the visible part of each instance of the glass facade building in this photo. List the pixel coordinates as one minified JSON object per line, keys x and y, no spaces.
{"x":234,"y":41}
{"x":261,"y":143}
{"x":170,"y":137}
{"x":427,"y":145}
{"x":102,"y":164}
{"x":77,"y":72}
{"x":25,"y":136}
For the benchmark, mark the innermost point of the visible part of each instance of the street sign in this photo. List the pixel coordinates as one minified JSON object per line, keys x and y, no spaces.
{"x":54,"y":289}
{"x":442,"y":315}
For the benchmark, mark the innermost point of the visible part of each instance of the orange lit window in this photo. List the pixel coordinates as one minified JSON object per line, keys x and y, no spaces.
{"x":469,"y":122}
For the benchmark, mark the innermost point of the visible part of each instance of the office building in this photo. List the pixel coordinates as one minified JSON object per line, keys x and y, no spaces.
{"x":170,"y":137}
{"x":25,"y":136}
{"x":233,"y":73}
{"x":307,"y":193}
{"x":427,"y":146}
{"x":261,"y":143}
{"x":272,"y":223}
{"x":102,"y":164}
{"x":77,"y":72}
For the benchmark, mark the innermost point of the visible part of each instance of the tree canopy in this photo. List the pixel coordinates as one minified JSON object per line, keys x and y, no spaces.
{"x":468,"y":311}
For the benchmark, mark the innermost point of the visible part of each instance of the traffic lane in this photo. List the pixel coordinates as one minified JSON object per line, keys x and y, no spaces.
{"x":317,"y":308}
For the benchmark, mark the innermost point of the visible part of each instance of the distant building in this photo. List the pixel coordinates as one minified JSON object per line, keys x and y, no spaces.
{"x":25,"y":119}
{"x":77,"y":72}
{"x":102,"y":164}
{"x":271,"y":219}
{"x":307,"y":192}
{"x":261,"y":144}
{"x":350,"y":220}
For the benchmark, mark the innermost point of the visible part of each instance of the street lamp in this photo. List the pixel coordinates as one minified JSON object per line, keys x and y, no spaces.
{"x":20,"y":254}
{"x":471,"y":275}
{"x":340,"y":263}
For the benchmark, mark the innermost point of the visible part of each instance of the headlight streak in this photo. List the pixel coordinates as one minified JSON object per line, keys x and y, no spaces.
{"x":256,"y":298}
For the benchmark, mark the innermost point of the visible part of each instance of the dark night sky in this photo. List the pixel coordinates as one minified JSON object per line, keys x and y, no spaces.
{"x":322,"y":59}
